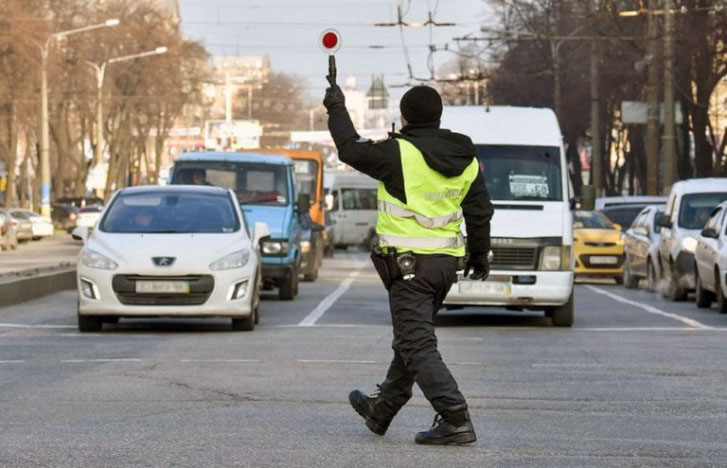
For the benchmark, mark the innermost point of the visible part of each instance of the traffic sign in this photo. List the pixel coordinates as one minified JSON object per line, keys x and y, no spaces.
{"x":330,"y":41}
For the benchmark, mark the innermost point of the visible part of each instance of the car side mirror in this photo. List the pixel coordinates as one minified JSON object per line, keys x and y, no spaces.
{"x":588,"y":198}
{"x":710,"y":233}
{"x":664,"y":221}
{"x":303,"y":202}
{"x":617,"y":227}
{"x":259,"y":232}
{"x":80,"y":233}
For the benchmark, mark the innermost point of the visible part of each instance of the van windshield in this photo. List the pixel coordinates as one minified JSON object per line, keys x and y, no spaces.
{"x":696,"y":208}
{"x":253,"y":183}
{"x":521,"y":173}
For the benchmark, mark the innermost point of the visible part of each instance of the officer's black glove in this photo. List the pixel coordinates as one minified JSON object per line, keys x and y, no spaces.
{"x":480,"y":266}
{"x":334,"y":96}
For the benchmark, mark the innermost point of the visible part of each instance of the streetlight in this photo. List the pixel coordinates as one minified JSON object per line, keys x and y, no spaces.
{"x":44,"y":151}
{"x":100,"y":74}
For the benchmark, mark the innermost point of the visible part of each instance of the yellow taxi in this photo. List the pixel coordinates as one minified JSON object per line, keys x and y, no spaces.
{"x":598,"y":246}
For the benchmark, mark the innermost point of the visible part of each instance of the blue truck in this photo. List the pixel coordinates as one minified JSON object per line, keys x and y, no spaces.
{"x":266,"y":190}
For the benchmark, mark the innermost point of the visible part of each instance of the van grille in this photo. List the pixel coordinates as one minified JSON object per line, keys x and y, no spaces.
{"x":514,"y":258}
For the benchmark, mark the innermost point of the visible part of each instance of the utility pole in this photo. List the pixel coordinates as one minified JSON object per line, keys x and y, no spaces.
{"x":652,"y":124}
{"x":670,"y":150}
{"x":596,"y":145}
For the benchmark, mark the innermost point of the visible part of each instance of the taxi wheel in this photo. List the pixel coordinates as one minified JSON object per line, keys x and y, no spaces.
{"x":89,"y":324}
{"x":703,"y":297}
{"x":562,"y":316}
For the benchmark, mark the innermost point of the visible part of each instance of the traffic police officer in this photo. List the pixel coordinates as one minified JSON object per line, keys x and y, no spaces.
{"x":429,"y":181}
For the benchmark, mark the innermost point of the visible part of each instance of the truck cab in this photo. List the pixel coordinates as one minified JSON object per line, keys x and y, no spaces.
{"x":265,"y":188}
{"x":522,"y":158}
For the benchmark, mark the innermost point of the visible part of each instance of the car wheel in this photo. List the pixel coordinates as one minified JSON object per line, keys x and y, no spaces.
{"x":289,"y":288}
{"x":650,"y":277}
{"x":562,"y":316}
{"x":673,"y":291}
{"x":257,"y":313}
{"x":721,"y":299}
{"x":630,"y":281}
{"x":244,"y":324}
{"x":89,"y":323}
{"x":703,"y":297}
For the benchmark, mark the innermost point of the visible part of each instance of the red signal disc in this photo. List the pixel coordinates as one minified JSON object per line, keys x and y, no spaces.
{"x":330,"y":40}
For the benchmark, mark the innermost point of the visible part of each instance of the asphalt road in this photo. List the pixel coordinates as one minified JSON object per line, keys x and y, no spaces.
{"x":637,"y":381}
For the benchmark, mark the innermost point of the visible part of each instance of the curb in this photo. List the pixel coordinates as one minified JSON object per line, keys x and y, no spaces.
{"x":34,"y":287}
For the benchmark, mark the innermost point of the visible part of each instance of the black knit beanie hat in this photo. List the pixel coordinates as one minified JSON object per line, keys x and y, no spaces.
{"x":420,"y":105}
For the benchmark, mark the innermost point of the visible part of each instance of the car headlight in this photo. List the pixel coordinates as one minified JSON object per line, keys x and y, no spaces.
{"x":93,"y":259}
{"x":305,"y":246}
{"x":235,"y":260}
{"x":689,"y":244}
{"x":555,"y":258}
{"x":272,"y":247}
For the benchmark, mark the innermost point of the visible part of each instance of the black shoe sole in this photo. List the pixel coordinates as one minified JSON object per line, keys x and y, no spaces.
{"x":462,"y":438}
{"x":372,"y":425}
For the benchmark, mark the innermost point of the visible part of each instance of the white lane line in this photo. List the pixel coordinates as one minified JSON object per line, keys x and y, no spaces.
{"x":15,"y":361}
{"x":20,"y":325}
{"x":75,"y":361}
{"x":315,"y":315}
{"x":219,"y":360}
{"x":651,"y":309}
{"x":333,"y":361}
{"x":647,"y":329}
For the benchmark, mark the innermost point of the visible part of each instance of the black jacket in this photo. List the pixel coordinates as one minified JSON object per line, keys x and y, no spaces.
{"x":446,"y":152}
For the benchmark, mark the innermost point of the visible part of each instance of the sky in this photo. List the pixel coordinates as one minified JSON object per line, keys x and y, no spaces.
{"x":288,"y":32}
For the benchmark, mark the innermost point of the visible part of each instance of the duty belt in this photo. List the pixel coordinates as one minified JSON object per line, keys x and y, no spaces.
{"x":421,"y":242}
{"x":424,"y":221}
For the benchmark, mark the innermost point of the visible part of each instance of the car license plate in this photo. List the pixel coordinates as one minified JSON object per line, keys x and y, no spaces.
{"x":604,"y":260}
{"x":163,"y":287}
{"x":485,"y":287}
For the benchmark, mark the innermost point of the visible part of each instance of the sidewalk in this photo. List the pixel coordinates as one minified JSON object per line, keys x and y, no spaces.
{"x":32,"y":257}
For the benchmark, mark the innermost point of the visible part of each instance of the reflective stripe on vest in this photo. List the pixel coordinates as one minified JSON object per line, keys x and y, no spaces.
{"x":424,"y":221}
{"x":421,"y":242}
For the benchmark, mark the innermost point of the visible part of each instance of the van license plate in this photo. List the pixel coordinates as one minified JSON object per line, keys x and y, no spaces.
{"x":485,"y":287}
{"x":604,"y":260}
{"x":162,"y":287}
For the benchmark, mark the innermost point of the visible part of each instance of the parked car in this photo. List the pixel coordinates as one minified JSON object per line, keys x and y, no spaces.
{"x":687,"y":211}
{"x":42,"y":227}
{"x":8,"y":234}
{"x":623,"y":210}
{"x":194,"y":259}
{"x":64,"y":217}
{"x":641,"y":248}
{"x":80,"y":202}
{"x":710,"y":258}
{"x":597,"y":245}
{"x":89,"y":216}
{"x":23,"y":226}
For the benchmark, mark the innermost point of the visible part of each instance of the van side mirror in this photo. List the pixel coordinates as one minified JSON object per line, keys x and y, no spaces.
{"x":329,"y":202}
{"x":664,"y":221}
{"x":259,"y":232}
{"x":710,"y":233}
{"x":588,"y":198}
{"x":80,"y":233}
{"x":303,"y":202}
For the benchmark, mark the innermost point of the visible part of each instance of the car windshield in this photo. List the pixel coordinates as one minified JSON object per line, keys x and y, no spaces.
{"x":306,"y":172}
{"x":171,"y":213}
{"x":623,"y":215}
{"x":253,"y":183}
{"x":521,"y":172}
{"x":695,"y":208}
{"x":591,"y":220}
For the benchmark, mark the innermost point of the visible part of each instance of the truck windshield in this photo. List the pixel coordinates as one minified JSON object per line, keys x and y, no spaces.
{"x":253,"y":183}
{"x":695,"y":209}
{"x":306,"y":172}
{"x":521,"y":172}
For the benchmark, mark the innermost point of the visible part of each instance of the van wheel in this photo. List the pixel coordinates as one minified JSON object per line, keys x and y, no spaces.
{"x":629,"y":280}
{"x":650,"y":277}
{"x":721,"y":299}
{"x":562,"y":316}
{"x":673,"y":292}
{"x":289,"y":288}
{"x":89,"y":323}
{"x":704,"y":298}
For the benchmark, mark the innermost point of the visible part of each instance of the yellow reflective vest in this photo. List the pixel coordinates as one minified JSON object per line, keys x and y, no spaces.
{"x":429,"y":222}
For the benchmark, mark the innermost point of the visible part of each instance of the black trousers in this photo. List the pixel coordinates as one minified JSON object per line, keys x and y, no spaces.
{"x":413,"y":305}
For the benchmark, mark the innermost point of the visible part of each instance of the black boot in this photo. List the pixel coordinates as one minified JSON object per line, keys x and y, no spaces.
{"x":376,"y":411}
{"x":451,"y":427}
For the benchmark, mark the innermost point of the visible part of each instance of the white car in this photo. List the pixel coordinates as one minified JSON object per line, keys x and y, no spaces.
{"x":170,"y":251}
{"x":89,"y":216}
{"x":710,"y":258}
{"x":687,"y":211}
{"x":641,"y":248}
{"x":42,"y":227}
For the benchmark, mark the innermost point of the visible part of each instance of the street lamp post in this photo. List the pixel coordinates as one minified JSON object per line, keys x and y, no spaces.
{"x":44,"y":138}
{"x":100,"y":75}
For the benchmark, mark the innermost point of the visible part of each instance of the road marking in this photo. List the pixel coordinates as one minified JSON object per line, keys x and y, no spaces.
{"x":20,"y":325}
{"x":651,"y":309}
{"x":219,"y":360}
{"x":16,"y":361}
{"x":638,"y":329}
{"x":333,"y":361}
{"x":75,"y":361}
{"x":315,"y":315}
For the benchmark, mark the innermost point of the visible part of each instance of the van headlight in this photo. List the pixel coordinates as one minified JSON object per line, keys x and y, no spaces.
{"x":555,"y":258}
{"x":689,"y":244}
{"x":273,"y":247}
{"x":235,"y":260}
{"x":93,"y":259}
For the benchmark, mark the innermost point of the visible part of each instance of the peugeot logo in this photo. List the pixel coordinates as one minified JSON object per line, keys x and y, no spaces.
{"x":163,"y":261}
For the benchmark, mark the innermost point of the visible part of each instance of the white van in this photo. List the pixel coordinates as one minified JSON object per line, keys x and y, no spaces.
{"x":521,"y":155}
{"x":351,"y":205}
